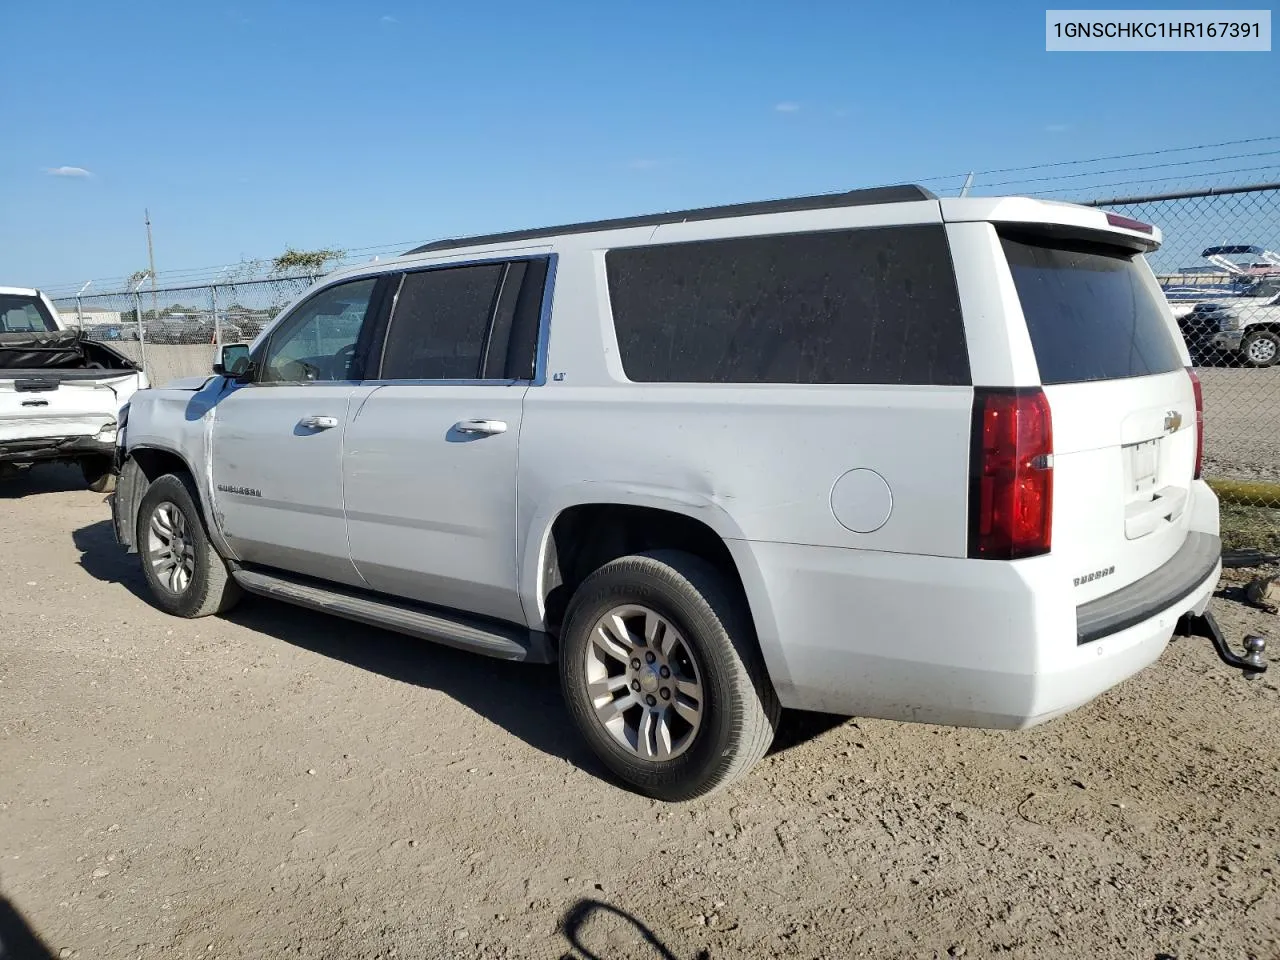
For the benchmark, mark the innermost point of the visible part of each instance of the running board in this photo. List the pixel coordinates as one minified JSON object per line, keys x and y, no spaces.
{"x":452,"y":630}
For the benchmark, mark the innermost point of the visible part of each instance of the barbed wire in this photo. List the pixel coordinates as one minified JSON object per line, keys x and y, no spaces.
{"x":1114,"y":156}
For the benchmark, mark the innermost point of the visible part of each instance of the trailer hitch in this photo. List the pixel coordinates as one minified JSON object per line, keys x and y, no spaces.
{"x":1253,"y":664}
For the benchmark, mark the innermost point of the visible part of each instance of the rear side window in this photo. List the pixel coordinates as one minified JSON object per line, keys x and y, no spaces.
{"x":1090,"y":312}
{"x":466,"y":323}
{"x":440,"y":322}
{"x":851,"y":306}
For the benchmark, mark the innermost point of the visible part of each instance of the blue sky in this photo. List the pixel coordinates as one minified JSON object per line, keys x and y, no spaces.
{"x":248,"y":128}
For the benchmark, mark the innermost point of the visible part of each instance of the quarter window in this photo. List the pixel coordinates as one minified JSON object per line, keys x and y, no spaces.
{"x":877,"y":305}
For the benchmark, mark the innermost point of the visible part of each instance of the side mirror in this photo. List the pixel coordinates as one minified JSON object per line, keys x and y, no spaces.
{"x":233,"y":361}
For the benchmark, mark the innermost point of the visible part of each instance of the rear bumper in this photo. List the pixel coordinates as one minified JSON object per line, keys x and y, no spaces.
{"x":1181,"y":576}
{"x":952,"y":641}
{"x":56,"y":448}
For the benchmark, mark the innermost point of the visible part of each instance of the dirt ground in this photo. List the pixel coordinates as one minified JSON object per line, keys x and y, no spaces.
{"x":1242,"y":431}
{"x":280,"y":784}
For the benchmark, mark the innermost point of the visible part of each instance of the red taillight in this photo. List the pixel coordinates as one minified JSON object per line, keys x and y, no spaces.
{"x":1128,"y":224}
{"x":1195,"y":388}
{"x":1011,"y":475}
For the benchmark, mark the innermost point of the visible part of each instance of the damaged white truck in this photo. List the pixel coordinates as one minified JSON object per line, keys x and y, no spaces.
{"x":60,"y":393}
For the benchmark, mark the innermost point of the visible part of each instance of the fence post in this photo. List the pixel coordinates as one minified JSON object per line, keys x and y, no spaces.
{"x":217,"y":322}
{"x":142,"y":340}
{"x":79,"y":313}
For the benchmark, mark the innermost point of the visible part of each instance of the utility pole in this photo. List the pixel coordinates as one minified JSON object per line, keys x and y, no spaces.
{"x":151,"y":261}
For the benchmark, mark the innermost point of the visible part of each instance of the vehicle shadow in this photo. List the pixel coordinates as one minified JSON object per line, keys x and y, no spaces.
{"x":104,"y":559}
{"x":573,"y":926}
{"x":41,"y":479}
{"x":17,"y":940}
{"x":523,"y":699}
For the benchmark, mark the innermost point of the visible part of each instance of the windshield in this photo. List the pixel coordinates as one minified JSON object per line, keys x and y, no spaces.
{"x":23,"y":313}
{"x":1090,"y":312}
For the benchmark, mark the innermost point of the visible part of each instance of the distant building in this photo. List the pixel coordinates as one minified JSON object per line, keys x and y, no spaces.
{"x":90,"y":316}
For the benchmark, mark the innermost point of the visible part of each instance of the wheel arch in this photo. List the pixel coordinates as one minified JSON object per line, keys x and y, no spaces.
{"x":671,"y":519}
{"x":142,"y":465}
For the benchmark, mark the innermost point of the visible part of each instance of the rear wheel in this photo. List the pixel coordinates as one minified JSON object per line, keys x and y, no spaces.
{"x":186,"y":575}
{"x":98,"y":474}
{"x":661,"y":672}
{"x":1261,"y":349}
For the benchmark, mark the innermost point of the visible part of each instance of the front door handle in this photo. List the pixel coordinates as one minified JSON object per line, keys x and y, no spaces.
{"x":483,"y":428}
{"x":318,"y":423}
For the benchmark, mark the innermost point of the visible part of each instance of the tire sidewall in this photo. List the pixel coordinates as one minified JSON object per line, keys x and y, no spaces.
{"x":172,"y":489}
{"x":707,"y":640}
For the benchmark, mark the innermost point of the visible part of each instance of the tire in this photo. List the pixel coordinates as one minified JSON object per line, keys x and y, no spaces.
{"x":1261,"y":349}
{"x":98,"y":474}
{"x":207,"y":587}
{"x":713,"y":650}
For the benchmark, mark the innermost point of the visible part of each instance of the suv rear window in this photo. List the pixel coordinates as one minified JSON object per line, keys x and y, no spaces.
{"x":1091,"y":313}
{"x":846,"y":306}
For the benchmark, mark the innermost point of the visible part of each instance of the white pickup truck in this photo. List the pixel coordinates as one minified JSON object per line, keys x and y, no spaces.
{"x":60,"y":393}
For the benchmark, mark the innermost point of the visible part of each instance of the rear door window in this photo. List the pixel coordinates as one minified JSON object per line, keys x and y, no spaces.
{"x":465,"y":323}
{"x":877,"y":305}
{"x":1090,"y":310}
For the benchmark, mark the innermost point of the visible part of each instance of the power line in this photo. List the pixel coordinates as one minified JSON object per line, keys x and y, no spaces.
{"x":191,"y":275}
{"x":1152,"y":166}
{"x":1115,"y":156}
{"x":1124,"y":183}
{"x":195,"y":276}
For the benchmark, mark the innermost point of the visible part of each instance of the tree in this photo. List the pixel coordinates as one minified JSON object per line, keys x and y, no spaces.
{"x":293,"y":262}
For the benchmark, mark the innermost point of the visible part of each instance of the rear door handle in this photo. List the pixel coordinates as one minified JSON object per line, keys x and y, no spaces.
{"x":318,"y":423}
{"x":483,"y":428}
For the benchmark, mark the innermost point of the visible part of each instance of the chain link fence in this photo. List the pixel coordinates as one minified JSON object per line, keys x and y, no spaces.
{"x":175,"y":331}
{"x":1220,"y":270}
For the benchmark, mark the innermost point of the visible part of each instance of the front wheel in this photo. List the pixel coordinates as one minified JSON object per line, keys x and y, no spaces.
{"x":1261,"y":349}
{"x":661,"y":672}
{"x":186,"y":575}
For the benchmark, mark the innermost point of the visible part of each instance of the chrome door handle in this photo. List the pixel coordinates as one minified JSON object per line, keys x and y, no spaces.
{"x":483,"y":428}
{"x":318,"y":423}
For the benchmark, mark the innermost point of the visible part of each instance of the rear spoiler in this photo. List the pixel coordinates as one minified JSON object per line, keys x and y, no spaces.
{"x":1058,"y":219}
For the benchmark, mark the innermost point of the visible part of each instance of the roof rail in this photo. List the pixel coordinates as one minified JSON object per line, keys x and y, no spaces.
{"x":824,"y":201}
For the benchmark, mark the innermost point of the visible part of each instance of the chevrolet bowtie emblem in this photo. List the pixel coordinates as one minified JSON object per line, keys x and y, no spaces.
{"x":1172,"y":421}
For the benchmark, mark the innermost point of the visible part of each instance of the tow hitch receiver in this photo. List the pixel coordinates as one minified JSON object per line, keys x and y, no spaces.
{"x":1253,"y":664}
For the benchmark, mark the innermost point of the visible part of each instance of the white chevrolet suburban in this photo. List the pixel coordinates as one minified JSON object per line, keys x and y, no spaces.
{"x":60,"y":393}
{"x":874,"y":453}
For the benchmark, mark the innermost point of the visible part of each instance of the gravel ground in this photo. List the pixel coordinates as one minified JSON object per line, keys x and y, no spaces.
{"x":279,"y":784}
{"x":1242,"y":422}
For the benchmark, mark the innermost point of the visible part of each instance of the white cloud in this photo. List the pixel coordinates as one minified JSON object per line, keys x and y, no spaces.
{"x":787,"y":106}
{"x":1057,"y":128}
{"x":387,"y":18}
{"x":68,"y":172}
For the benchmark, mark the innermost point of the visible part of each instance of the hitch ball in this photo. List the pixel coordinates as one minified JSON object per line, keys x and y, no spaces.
{"x":1254,"y":647}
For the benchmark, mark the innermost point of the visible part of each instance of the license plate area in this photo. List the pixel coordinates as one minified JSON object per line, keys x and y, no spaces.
{"x":1142,"y":468}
